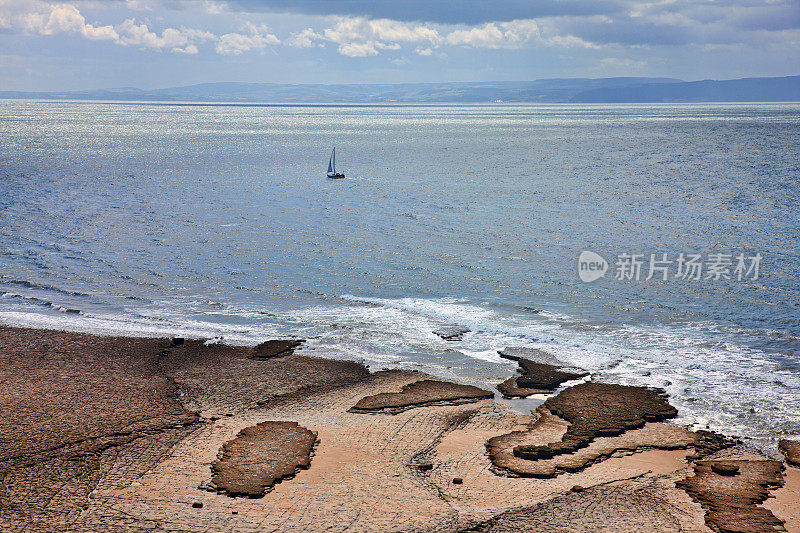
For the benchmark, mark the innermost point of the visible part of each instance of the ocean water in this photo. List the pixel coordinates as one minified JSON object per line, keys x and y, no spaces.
{"x":218,"y":221}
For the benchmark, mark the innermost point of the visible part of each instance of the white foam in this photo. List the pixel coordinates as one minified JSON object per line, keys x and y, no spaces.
{"x":129,"y":326}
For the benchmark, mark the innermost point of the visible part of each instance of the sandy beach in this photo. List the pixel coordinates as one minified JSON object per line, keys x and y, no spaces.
{"x":157,"y":434}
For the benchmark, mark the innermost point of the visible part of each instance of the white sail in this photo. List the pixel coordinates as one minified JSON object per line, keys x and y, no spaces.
{"x":332,"y":166}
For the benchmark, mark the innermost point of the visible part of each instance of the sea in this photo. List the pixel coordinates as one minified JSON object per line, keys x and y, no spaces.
{"x":217,"y":221}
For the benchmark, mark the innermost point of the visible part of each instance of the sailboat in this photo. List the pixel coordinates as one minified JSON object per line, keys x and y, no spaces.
{"x":332,"y":166}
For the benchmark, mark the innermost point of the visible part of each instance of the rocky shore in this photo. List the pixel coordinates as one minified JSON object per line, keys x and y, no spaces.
{"x":136,"y":434}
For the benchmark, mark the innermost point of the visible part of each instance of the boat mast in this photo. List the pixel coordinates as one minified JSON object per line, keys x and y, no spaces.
{"x":334,"y":160}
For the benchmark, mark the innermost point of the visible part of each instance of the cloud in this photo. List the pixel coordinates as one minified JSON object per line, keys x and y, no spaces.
{"x":46,"y":19}
{"x":214,"y":8}
{"x":189,"y":49}
{"x":303,"y":39}
{"x":56,"y":19}
{"x":353,"y":29}
{"x":234,"y":44}
{"x":366,"y":29}
{"x":180,"y":40}
{"x":501,"y":35}
{"x":66,"y":18}
{"x":569,"y":41}
{"x":142,"y":5}
{"x":362,"y":37}
{"x":365,"y":49}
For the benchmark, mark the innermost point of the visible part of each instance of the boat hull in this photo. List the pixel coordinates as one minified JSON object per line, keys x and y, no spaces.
{"x":336,"y":176}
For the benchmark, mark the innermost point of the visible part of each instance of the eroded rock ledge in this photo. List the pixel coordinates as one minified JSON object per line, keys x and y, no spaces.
{"x":261,"y":456}
{"x":599,"y":409}
{"x":540,"y":373}
{"x":590,"y":422}
{"x":275,"y":348}
{"x":730,"y":491}
{"x":790,"y":450}
{"x":418,"y":394}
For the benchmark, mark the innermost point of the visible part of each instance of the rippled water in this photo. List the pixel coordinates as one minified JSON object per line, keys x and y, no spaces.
{"x":218,"y":221}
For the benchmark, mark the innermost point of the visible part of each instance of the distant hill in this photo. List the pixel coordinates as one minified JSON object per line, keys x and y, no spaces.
{"x":557,"y":90}
{"x":786,"y":89}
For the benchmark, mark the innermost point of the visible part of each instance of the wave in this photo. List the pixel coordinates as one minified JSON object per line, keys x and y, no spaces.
{"x":40,"y":286}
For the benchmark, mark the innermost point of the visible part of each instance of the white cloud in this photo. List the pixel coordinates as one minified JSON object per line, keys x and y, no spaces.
{"x":141,"y":5}
{"x":358,"y":49}
{"x":238,"y":43}
{"x":368,"y":48}
{"x":496,"y":35}
{"x":189,"y":50}
{"x":178,"y":40}
{"x":361,"y":37}
{"x":53,"y":19}
{"x":214,"y":8}
{"x":354,"y":36}
{"x":65,"y":18}
{"x":354,"y":29}
{"x":303,"y":39}
{"x":569,"y":41}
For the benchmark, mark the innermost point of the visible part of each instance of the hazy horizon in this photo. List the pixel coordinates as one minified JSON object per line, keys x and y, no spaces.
{"x":488,"y":81}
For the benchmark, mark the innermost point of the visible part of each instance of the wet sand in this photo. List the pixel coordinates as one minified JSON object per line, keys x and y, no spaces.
{"x":130,"y":434}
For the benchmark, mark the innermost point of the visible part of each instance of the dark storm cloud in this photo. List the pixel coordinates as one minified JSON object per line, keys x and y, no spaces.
{"x":442,"y":12}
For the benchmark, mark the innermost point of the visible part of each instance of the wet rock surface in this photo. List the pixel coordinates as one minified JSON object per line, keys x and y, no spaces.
{"x":599,"y":409}
{"x":536,"y":376}
{"x":515,"y":353}
{"x":275,"y":348}
{"x":452,"y":333}
{"x":217,"y":379}
{"x":790,"y":450}
{"x":83,"y":411}
{"x":732,"y":502}
{"x":261,"y":456}
{"x":67,"y":400}
{"x":594,"y":422}
{"x":418,"y":394}
{"x":639,"y":506}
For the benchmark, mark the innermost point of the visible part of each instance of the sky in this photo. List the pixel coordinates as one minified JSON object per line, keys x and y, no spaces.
{"x":91,"y":44}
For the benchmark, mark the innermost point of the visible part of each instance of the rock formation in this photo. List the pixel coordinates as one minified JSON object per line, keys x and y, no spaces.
{"x":731,"y":500}
{"x":790,"y":450}
{"x":261,"y":456}
{"x":418,"y":394}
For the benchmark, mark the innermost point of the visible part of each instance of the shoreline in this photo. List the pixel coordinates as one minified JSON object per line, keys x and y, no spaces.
{"x":112,"y":433}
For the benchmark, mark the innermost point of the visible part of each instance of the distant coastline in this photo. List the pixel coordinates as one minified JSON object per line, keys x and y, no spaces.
{"x":557,"y":90}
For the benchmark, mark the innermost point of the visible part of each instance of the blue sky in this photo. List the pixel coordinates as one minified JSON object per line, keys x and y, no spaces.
{"x":163,"y":43}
